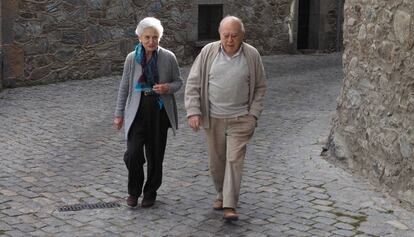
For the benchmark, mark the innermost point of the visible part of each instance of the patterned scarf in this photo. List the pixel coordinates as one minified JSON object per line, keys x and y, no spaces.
{"x":149,"y":76}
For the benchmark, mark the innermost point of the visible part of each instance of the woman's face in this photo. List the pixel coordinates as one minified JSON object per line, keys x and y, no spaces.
{"x":149,"y":39}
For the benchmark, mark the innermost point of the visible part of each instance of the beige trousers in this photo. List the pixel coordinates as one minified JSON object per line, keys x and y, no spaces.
{"x":227,"y":140}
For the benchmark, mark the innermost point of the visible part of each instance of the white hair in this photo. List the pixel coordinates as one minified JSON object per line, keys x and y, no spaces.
{"x":232,"y":18}
{"x":149,"y":22}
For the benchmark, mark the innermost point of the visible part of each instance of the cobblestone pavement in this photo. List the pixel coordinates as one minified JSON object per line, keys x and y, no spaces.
{"x":58,"y":147}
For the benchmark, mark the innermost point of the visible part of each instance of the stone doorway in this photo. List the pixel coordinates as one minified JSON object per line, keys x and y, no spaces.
{"x":303,"y":24}
{"x":319,"y":26}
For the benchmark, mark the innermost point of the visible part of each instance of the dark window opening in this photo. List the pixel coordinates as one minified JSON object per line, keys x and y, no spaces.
{"x":209,"y":17}
{"x":303,"y":24}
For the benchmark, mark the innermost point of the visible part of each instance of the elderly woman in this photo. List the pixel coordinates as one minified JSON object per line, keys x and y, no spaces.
{"x":146,"y":107}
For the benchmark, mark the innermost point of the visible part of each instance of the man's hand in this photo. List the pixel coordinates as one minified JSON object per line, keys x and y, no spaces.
{"x":118,"y":122}
{"x":161,"y":88}
{"x":194,"y":121}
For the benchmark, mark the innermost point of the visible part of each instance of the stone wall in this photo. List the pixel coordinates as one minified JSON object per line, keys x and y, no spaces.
{"x":267,"y":24}
{"x":48,"y":41}
{"x":373,"y":131}
{"x":62,"y":40}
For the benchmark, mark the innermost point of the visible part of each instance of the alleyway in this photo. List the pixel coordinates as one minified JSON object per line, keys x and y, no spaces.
{"x":58,"y":147}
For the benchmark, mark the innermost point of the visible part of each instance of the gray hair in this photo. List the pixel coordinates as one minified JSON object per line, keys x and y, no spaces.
{"x":232,"y":18}
{"x":149,"y":22}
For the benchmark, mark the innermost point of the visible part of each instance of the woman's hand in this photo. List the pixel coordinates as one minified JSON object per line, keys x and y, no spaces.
{"x":161,"y":88}
{"x":118,"y":122}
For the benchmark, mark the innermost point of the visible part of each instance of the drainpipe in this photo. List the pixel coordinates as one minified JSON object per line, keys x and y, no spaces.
{"x":1,"y":46}
{"x":339,"y":12}
{"x":293,"y":26}
{"x":9,"y":10}
{"x":1,"y":68}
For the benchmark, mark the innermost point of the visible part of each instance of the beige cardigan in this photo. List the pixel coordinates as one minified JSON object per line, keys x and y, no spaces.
{"x":196,"y":90}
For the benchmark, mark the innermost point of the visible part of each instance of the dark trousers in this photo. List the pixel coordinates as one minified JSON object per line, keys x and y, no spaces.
{"x":148,"y":132}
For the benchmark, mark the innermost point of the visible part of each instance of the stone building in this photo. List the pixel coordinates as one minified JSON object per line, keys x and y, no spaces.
{"x":373,"y":131}
{"x":49,"y":41}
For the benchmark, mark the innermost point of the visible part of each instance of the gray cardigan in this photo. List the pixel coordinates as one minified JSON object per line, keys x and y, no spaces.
{"x":128,"y":99}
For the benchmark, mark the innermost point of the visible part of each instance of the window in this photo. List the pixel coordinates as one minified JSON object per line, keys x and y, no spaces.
{"x":209,"y":17}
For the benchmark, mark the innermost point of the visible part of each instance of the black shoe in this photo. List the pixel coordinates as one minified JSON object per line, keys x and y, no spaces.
{"x":147,"y":203}
{"x":132,"y":201}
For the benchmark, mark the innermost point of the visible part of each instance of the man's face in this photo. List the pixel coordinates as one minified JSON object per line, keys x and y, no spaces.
{"x":231,"y":37}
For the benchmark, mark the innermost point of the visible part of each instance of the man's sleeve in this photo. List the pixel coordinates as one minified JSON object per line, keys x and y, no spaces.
{"x":192,"y":89}
{"x":259,"y":89}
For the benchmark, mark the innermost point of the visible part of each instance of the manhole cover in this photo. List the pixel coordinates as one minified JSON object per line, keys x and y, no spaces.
{"x":78,"y":207}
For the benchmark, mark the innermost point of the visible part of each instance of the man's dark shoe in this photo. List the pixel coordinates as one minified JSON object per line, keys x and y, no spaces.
{"x":230,"y":214}
{"x":147,"y":203}
{"x":132,"y":201}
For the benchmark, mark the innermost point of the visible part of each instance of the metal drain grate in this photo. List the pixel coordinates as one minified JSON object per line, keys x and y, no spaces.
{"x":78,"y":207}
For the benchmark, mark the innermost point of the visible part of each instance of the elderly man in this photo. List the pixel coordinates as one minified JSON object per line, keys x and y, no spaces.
{"x":224,"y":94}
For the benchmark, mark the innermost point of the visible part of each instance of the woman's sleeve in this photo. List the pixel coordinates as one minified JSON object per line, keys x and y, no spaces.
{"x":177,"y":81}
{"x":123,"y":89}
